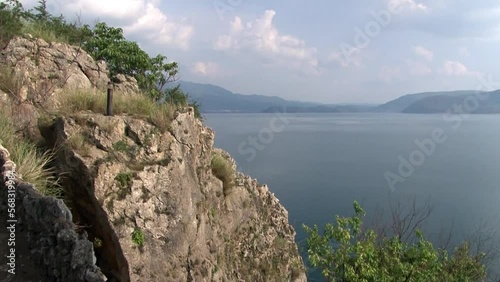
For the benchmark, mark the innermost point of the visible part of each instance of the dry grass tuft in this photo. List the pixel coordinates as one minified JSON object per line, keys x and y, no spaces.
{"x":223,"y":170}
{"x":32,"y":165}
{"x":159,"y":114}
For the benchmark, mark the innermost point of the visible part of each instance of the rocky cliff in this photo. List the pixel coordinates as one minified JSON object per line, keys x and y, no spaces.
{"x":148,"y":198}
{"x":39,"y":241}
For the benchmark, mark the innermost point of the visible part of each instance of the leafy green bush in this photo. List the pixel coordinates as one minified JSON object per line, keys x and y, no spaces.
{"x":176,"y":97}
{"x":11,"y":19}
{"x":124,"y":179}
{"x":106,"y":43}
{"x":126,"y":57}
{"x":347,"y":252}
{"x":138,"y":237}
{"x":223,"y":170}
{"x":122,"y":56}
{"x":55,"y":30}
{"x":39,"y":23}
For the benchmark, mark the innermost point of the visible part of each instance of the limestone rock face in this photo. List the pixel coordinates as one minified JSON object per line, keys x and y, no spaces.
{"x":147,"y":199}
{"x":43,"y":70}
{"x":150,"y":197}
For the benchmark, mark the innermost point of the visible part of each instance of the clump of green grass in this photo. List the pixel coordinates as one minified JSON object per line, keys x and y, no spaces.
{"x":41,"y":31}
{"x":32,"y":164}
{"x":75,"y":100}
{"x":124,"y":179}
{"x":121,"y":146}
{"x":223,"y":170}
{"x":138,"y":237}
{"x":54,"y":30}
{"x":213,"y":212}
{"x":162,"y":116}
{"x":159,"y":114}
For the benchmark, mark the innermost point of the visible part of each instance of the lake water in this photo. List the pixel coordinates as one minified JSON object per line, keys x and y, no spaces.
{"x":318,"y":164}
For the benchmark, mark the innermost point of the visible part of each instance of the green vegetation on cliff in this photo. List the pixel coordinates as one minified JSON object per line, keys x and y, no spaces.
{"x":223,"y":170}
{"x":346,"y":251}
{"x":102,"y":42}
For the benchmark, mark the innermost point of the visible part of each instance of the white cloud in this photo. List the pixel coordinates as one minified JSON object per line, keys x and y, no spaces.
{"x":140,"y":18}
{"x":224,"y":42}
{"x":418,"y":68}
{"x":481,"y":14}
{"x":345,"y":60}
{"x":424,"y":53}
{"x":454,"y":68}
{"x":407,"y":4}
{"x":117,"y":9}
{"x":389,"y":74}
{"x":263,"y":38}
{"x":205,"y":68}
{"x":237,"y":25}
{"x":464,"y":52}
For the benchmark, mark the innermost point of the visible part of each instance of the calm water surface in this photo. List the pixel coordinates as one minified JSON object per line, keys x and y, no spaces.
{"x":318,"y":164}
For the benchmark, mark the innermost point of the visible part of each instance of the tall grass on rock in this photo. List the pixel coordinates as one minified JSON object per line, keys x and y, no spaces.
{"x":11,"y":84}
{"x":31,"y":164}
{"x":223,"y":169}
{"x":159,"y":114}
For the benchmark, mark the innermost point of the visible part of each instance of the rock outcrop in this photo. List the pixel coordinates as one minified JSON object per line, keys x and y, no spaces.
{"x":42,"y":70}
{"x":41,"y":233}
{"x":130,"y":180}
{"x":146,"y":197}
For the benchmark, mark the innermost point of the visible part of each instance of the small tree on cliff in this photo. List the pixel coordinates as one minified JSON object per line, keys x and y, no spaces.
{"x":42,"y":14}
{"x":126,"y":57}
{"x":11,"y":15}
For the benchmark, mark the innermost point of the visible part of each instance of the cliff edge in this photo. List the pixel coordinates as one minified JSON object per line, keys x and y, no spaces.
{"x":147,"y":199}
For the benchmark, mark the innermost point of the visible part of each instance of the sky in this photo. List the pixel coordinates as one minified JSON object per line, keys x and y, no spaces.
{"x":358,"y":51}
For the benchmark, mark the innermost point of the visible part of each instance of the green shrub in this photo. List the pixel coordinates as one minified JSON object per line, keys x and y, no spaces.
{"x":223,"y":170}
{"x":121,"y":146}
{"x":347,"y":252}
{"x":39,"y":23}
{"x":124,"y":179}
{"x":176,"y":97}
{"x":138,"y":237}
{"x":213,"y":212}
{"x":11,"y":21}
{"x":39,"y":30}
{"x":126,"y":57}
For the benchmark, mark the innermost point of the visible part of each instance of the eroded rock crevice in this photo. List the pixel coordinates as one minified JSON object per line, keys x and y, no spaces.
{"x":47,"y":246}
{"x":89,"y":214}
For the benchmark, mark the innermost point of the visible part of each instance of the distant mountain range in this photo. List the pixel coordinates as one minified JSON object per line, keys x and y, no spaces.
{"x":215,"y":99}
{"x":469,"y":101}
